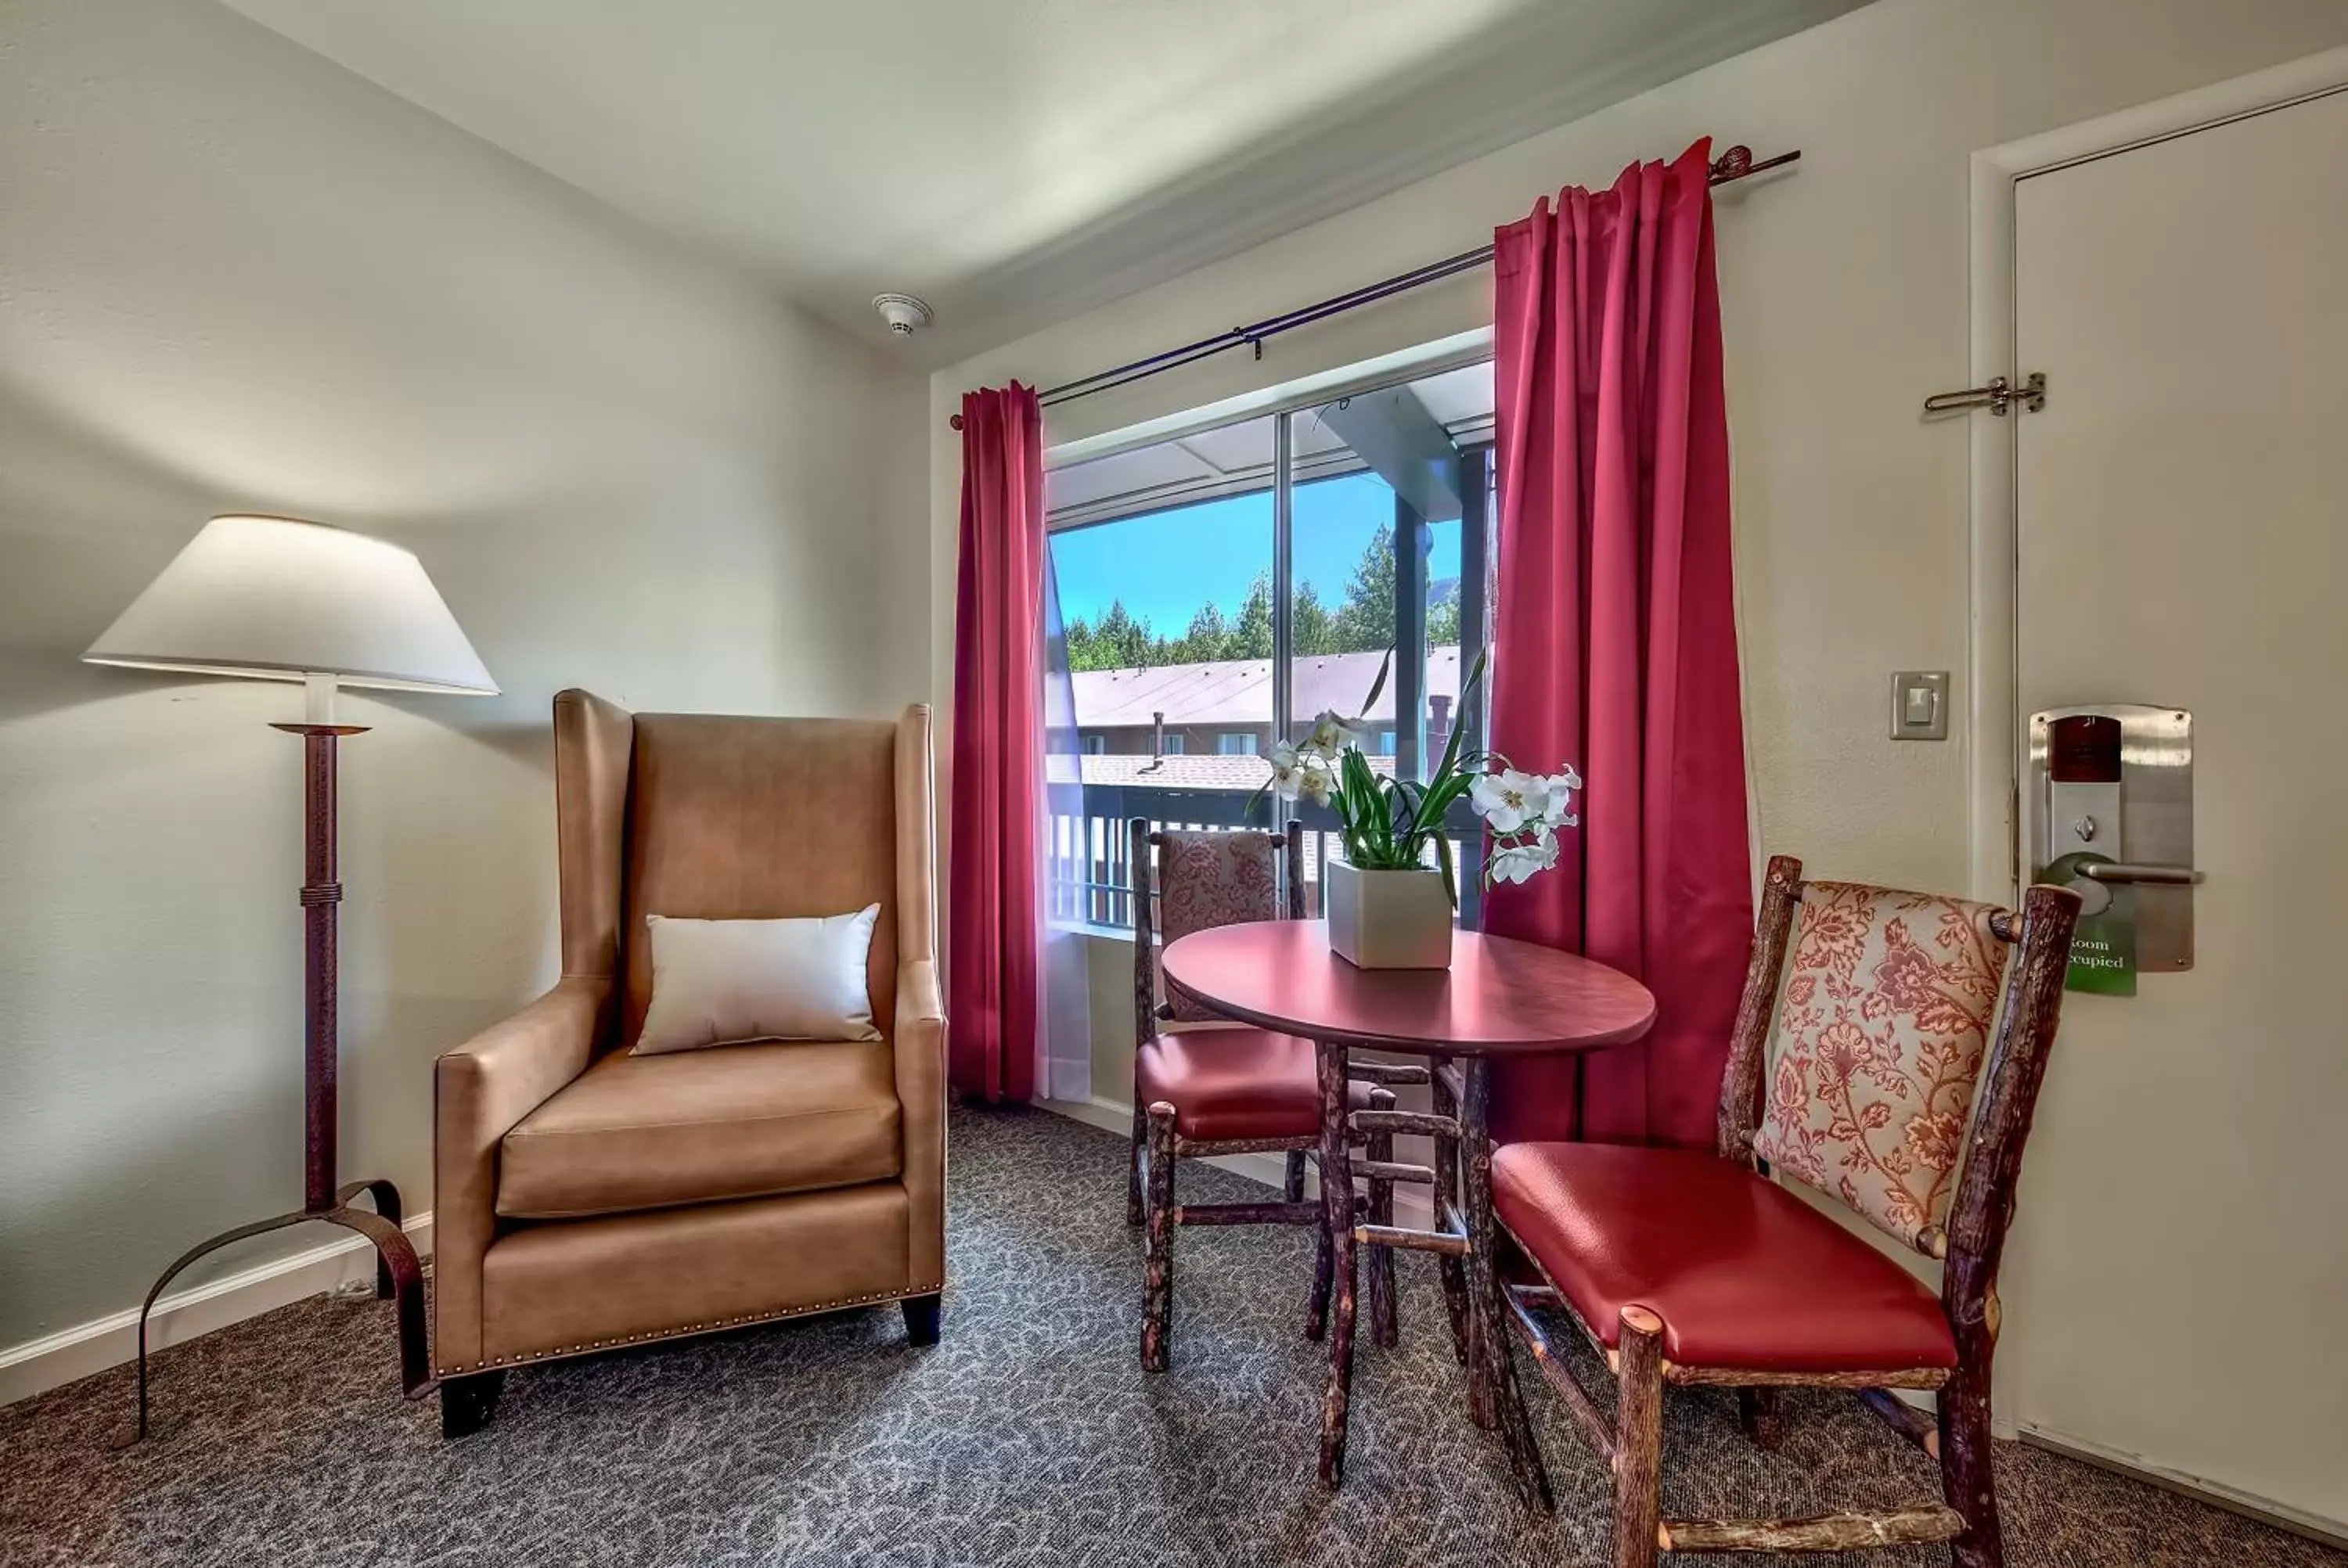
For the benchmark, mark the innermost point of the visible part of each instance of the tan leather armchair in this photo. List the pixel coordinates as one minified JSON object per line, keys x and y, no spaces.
{"x":588,"y":1198}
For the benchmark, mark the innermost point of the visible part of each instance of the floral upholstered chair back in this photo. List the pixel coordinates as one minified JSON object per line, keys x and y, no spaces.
{"x":1208,"y":880}
{"x":1882,"y":1023}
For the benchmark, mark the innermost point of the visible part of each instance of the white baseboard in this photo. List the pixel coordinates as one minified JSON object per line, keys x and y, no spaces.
{"x":58,"y":1358}
{"x":2265,"y":1509}
{"x":1413,"y":1204}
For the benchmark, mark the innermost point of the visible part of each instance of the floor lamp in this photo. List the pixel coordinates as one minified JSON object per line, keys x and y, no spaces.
{"x":280,"y":600}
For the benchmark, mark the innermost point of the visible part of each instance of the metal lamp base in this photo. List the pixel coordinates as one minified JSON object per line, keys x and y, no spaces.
{"x":398,"y":1276}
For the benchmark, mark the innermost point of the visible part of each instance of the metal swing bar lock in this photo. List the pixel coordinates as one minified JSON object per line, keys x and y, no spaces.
{"x":1998,"y":395}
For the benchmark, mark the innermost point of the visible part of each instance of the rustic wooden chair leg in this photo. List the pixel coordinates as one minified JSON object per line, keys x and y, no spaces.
{"x":1479,"y":1374}
{"x":1158,"y":1251}
{"x":1510,"y":1417}
{"x":1385,"y":1327}
{"x":1455,"y":1304}
{"x":1638,"y":1438}
{"x":1292,"y":1190}
{"x":1337,"y":1223}
{"x":1758,"y":1413}
{"x":1966,"y":1477}
{"x":1317,"y":1308}
{"x":1485,"y":1343}
{"x":1491,"y":1370}
{"x":1133,"y":1210}
{"x":1454,"y":1273}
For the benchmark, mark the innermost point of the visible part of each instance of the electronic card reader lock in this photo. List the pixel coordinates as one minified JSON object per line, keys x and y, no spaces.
{"x":2109,"y":807}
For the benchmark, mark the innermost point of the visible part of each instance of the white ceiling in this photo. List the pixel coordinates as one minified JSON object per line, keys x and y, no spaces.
{"x":1011,"y":161}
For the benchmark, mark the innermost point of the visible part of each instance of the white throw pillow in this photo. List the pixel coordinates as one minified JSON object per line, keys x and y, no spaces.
{"x":721,"y":983}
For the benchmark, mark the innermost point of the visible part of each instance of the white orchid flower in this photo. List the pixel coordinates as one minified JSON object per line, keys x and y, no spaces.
{"x":1561,"y":797}
{"x":1523,"y":862}
{"x":1329,"y":733}
{"x":1313,"y":785}
{"x":1511,"y":801}
{"x":1286,"y":767}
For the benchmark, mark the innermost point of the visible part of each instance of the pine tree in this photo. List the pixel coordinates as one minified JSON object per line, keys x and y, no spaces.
{"x":1250,"y":636}
{"x":1365,"y":622}
{"x":1208,"y":638}
{"x":1127,"y":641}
{"x":1078,"y":636}
{"x":1443,"y":614}
{"x":1311,"y":630}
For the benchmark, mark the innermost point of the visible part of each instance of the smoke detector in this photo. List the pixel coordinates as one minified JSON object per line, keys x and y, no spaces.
{"x":905,"y":314}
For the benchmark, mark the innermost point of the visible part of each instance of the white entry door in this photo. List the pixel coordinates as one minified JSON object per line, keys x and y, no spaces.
{"x":2177,"y":1287}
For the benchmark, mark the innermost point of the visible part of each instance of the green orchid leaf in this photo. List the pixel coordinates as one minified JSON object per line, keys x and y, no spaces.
{"x":1379,"y":684}
{"x":1459,"y":731}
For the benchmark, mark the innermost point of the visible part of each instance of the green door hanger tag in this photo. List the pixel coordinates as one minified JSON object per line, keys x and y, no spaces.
{"x":2103,"y":948}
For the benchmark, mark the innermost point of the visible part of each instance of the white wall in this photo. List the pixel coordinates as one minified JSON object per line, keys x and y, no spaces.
{"x":235,"y":276}
{"x":1844,"y":290}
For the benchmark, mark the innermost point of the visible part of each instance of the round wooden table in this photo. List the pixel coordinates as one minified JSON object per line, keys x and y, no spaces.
{"x":1499,"y":998}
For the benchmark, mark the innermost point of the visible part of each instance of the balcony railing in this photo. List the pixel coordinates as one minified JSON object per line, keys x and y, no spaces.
{"x":1091,"y":881}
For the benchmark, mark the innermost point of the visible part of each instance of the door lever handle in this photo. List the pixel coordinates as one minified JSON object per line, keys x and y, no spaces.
{"x":2162,"y":875}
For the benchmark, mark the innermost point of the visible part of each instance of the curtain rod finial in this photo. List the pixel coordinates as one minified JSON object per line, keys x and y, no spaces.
{"x":955,"y":420}
{"x":1738,"y":162}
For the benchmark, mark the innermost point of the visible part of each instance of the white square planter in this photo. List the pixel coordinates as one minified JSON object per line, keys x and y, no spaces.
{"x":1387,"y":919}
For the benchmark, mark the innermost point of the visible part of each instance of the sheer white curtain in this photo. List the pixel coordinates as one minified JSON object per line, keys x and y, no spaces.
{"x":1065,"y":1013}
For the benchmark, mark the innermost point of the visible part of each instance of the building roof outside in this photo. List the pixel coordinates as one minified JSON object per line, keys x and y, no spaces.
{"x":1238,"y":692}
{"x":1183,"y":771}
{"x":1143,"y":772}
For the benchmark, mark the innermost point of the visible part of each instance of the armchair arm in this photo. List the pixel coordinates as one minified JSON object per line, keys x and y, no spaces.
{"x":479,"y":1091}
{"x":920,"y":1049}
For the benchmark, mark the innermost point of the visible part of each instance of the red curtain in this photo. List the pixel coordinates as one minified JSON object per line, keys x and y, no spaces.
{"x":1615,"y":637}
{"x":994,"y":907}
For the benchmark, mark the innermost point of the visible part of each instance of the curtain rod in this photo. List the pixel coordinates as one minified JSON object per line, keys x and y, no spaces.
{"x":1736,"y":163}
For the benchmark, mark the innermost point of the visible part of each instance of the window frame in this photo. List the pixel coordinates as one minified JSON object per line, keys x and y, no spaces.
{"x":1477,"y":454}
{"x":1475,"y":443}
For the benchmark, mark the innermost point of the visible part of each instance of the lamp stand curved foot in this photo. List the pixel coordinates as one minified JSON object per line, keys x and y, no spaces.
{"x":399,"y":1276}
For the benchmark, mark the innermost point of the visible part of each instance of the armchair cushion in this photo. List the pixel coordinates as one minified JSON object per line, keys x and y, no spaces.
{"x":1235,"y":1083}
{"x":733,"y":1121}
{"x":1743,"y":1274}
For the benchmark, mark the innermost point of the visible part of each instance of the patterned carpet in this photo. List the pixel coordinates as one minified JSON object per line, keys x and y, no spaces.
{"x":1029,"y":1436}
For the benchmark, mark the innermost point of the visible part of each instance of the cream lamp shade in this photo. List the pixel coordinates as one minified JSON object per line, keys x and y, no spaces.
{"x":284,"y":599}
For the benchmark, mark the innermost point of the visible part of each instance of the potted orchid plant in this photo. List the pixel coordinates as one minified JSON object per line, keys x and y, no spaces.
{"x":1391,"y":900}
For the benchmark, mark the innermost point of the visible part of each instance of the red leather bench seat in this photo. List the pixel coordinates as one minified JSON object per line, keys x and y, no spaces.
{"x":1743,"y":1274}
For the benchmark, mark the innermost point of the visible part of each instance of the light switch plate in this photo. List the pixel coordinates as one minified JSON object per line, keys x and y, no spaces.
{"x":1920,"y":705}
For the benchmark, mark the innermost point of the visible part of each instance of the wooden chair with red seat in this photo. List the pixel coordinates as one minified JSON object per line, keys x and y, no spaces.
{"x":1692,"y":1266}
{"x":1231,"y":1090}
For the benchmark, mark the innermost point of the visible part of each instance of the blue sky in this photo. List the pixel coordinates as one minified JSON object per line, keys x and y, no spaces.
{"x":1166,"y":564}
